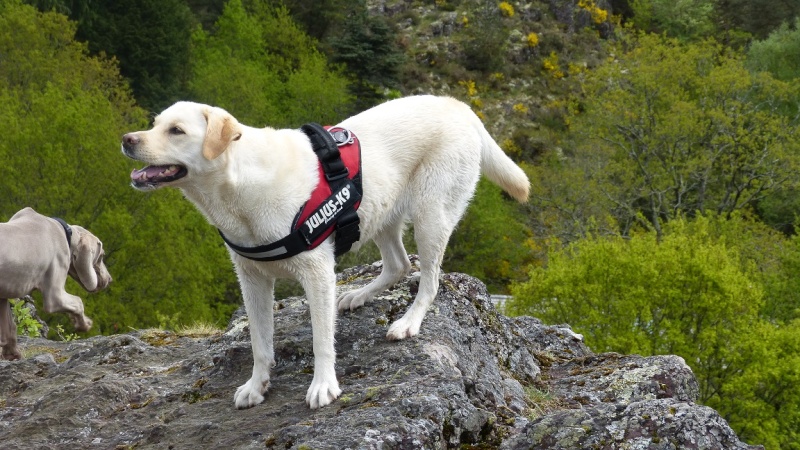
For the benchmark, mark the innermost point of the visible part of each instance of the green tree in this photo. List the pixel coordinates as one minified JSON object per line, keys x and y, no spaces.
{"x":756,"y":17}
{"x":779,"y":53}
{"x":567,"y":201}
{"x":367,"y":45}
{"x":320,"y":18}
{"x":682,"y":19}
{"x":486,"y":40}
{"x":149,"y":38}
{"x":639,"y":295}
{"x":668,"y":128}
{"x":264,"y":70}
{"x":697,"y":292}
{"x":66,"y":112}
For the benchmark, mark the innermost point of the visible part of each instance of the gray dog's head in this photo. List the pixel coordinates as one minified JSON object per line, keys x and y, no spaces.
{"x":87,"y":265}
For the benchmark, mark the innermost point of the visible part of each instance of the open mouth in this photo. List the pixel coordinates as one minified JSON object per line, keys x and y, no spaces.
{"x":152,"y":177}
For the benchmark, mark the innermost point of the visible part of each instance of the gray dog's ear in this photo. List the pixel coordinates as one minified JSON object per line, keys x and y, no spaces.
{"x":222,"y":129}
{"x":83,"y":257}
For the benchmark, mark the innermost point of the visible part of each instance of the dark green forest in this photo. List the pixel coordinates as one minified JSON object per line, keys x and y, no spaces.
{"x":659,"y":136}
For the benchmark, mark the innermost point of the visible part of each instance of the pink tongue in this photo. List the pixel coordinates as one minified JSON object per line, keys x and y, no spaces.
{"x":149,"y":172}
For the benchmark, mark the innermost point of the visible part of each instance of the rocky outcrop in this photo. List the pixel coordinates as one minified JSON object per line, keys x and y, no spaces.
{"x":473,"y":378}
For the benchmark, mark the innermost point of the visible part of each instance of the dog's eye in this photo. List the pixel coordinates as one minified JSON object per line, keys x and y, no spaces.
{"x":176,"y":130}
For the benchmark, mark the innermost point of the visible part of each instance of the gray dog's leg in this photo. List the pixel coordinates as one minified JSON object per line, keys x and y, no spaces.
{"x":8,"y":332}
{"x":59,"y":300}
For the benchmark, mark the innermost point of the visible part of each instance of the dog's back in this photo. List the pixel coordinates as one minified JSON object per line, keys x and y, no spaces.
{"x":23,"y":257}
{"x":418,"y":148}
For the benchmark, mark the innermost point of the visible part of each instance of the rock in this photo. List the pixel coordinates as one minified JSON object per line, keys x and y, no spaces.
{"x":473,"y":378}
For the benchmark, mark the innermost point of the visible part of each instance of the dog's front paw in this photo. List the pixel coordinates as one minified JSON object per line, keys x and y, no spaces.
{"x":322,"y":393}
{"x":81,"y":322}
{"x":250,"y":394}
{"x":403,"y":328}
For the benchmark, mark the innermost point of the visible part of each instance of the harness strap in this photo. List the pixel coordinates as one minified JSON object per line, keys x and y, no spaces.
{"x":284,"y":248}
{"x":347,"y":231}
{"x":327,"y":151}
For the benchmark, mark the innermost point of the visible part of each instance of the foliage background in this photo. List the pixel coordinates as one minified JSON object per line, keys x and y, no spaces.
{"x":660,"y":137}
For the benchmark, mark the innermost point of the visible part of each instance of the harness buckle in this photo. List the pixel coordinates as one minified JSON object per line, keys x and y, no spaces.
{"x":338,"y":175}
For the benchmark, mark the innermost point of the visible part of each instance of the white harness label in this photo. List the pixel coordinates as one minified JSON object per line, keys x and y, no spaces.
{"x":329,"y":210}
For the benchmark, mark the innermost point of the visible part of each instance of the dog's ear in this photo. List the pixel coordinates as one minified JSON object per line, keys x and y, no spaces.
{"x":222,"y":129}
{"x":83,"y":257}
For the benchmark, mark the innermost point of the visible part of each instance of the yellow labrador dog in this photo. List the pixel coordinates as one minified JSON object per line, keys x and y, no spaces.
{"x":421,"y":159}
{"x":37,"y":253}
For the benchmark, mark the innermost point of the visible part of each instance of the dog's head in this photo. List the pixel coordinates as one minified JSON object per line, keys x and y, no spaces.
{"x":87,"y":265}
{"x":183,"y":139}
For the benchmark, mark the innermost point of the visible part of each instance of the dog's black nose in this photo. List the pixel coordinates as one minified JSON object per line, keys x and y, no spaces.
{"x":130,"y":140}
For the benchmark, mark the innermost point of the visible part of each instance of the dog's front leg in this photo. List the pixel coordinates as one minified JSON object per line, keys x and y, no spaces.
{"x":56,"y":300}
{"x":258,"y":293}
{"x":320,"y":287}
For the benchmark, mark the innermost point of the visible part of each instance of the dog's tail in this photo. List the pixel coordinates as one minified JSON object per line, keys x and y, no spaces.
{"x":501,"y":170}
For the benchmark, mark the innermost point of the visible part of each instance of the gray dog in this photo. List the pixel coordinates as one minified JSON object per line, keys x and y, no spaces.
{"x":38,"y":252}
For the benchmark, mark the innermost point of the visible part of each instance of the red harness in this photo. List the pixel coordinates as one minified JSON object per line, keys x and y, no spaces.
{"x":322,"y":201}
{"x":333,"y":203}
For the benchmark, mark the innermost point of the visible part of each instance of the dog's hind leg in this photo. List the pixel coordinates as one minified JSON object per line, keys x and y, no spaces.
{"x":432,"y":231}
{"x":395,"y":266}
{"x":8,"y":332}
{"x":258,"y":293}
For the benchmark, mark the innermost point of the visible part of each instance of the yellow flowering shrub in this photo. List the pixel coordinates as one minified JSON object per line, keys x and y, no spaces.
{"x":506,"y":9}
{"x":469,"y":85}
{"x":550,"y":64}
{"x":599,"y":15}
{"x":575,"y":69}
{"x":520,"y":108}
{"x":533,"y":39}
{"x":510,"y":147}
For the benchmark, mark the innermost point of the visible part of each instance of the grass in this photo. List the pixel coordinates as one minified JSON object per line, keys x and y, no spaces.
{"x":198,"y":330}
{"x":541,"y":402}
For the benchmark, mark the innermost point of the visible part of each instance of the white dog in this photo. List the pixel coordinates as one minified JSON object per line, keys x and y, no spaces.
{"x":421,"y":159}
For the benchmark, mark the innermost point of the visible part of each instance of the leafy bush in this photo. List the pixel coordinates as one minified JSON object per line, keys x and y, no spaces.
{"x":492,"y":242}
{"x":27,"y":325}
{"x":698,"y":292}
